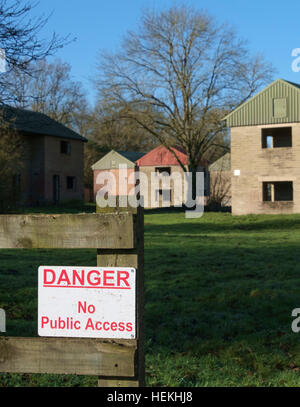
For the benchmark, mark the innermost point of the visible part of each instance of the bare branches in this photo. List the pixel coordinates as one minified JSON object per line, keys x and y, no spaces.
{"x":20,"y":34}
{"x":12,"y":153}
{"x":178,"y":76}
{"x":20,"y":37}
{"x":49,"y":89}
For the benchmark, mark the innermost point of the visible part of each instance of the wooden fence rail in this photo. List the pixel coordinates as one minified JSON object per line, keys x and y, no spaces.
{"x":67,"y":356}
{"x":118,"y":238}
{"x":67,"y":231}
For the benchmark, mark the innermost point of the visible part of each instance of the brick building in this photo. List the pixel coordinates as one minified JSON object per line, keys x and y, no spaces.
{"x":160,"y":161}
{"x":52,"y":164}
{"x":113,"y":162}
{"x":154,"y":165}
{"x":265,"y":151}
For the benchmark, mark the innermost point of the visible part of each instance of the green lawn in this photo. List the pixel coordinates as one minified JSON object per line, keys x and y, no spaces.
{"x":219,"y":296}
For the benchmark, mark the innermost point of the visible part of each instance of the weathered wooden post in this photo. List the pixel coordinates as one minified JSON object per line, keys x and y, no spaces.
{"x":129,"y":258}
{"x":118,"y":237}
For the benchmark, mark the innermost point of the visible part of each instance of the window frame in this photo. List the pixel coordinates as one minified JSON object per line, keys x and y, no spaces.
{"x":163,"y":170}
{"x":270,"y":191}
{"x":270,"y":132}
{"x":74,"y":183}
{"x":63,"y":150}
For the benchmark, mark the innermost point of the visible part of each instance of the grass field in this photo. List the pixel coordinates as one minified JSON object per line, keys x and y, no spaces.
{"x":219,"y":296}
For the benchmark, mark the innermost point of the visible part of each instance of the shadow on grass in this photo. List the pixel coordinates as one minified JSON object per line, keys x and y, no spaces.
{"x":54,"y":209}
{"x":225,"y":305}
{"x":240,"y":289}
{"x":241,"y":223}
{"x":217,"y":310}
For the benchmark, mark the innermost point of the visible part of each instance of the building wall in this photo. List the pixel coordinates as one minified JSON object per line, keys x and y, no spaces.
{"x":36,"y":185}
{"x":64,"y":165}
{"x":27,"y":181}
{"x":151,"y":186}
{"x":41,"y":159}
{"x":125,"y":187}
{"x":121,"y":186}
{"x":21,"y":193}
{"x":257,"y":165}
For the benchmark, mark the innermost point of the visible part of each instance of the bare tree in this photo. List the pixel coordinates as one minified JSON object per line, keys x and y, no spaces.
{"x":22,"y":45}
{"x":49,"y":89}
{"x":20,"y":38}
{"x":92,"y":153}
{"x":113,"y":130}
{"x":178,"y":75}
{"x":12,"y":153}
{"x":220,"y":183}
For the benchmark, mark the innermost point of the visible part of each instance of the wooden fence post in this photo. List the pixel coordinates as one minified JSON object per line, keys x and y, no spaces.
{"x":118,"y":235}
{"x":129,"y":258}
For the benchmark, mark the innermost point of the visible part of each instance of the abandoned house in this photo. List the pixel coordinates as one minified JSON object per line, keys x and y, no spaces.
{"x":120,"y":164}
{"x":265,"y":151}
{"x":160,"y":162}
{"x":53,"y":159}
{"x":155,"y":165}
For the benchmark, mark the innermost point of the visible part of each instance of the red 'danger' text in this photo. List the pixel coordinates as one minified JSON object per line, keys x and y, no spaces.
{"x":81,"y":278}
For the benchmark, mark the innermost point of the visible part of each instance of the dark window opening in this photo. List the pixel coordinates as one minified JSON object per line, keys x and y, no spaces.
{"x":71,"y":183}
{"x":278,"y":191}
{"x":160,"y":170}
{"x":65,"y":147}
{"x":276,"y":137}
{"x":164,"y":194}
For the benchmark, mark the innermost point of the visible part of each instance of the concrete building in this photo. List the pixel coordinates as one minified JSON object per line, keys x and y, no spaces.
{"x":153,"y":167}
{"x":160,"y":162}
{"x":265,"y":151}
{"x":122,"y":164}
{"x":53,"y":170}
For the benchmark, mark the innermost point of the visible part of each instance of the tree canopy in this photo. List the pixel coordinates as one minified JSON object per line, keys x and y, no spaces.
{"x":177,"y":76}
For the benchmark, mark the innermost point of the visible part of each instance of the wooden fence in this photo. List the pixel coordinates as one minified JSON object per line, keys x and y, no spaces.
{"x":119,"y":240}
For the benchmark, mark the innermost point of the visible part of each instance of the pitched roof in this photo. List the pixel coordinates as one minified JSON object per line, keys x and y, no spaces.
{"x":297,"y":85}
{"x":162,"y":156}
{"x":112,"y":160}
{"x":222,"y":164}
{"x":30,"y":122}
{"x":259,"y":110}
{"x":132,"y":156}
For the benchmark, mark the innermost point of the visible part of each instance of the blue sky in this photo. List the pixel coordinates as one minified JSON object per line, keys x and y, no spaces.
{"x":271,"y":27}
